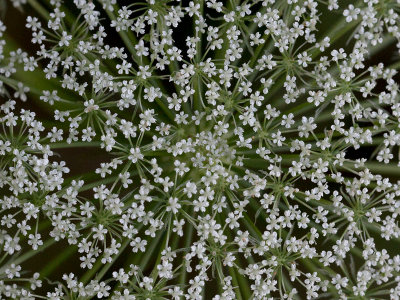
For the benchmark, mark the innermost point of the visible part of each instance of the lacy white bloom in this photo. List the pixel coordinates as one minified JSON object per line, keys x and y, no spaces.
{"x":200,"y":149}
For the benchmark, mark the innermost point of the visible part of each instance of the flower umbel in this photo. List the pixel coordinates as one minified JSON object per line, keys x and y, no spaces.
{"x":249,"y":150}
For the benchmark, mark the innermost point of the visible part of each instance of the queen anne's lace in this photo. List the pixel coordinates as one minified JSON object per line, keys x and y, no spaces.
{"x":252,"y":150}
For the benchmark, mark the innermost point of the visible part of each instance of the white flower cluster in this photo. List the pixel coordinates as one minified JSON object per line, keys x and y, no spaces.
{"x":252,"y":150}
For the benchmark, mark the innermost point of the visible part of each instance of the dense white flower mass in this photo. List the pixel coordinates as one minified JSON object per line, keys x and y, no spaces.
{"x":250,"y":150}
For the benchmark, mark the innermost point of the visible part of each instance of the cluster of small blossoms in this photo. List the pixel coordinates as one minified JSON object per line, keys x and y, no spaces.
{"x":251,"y":150}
